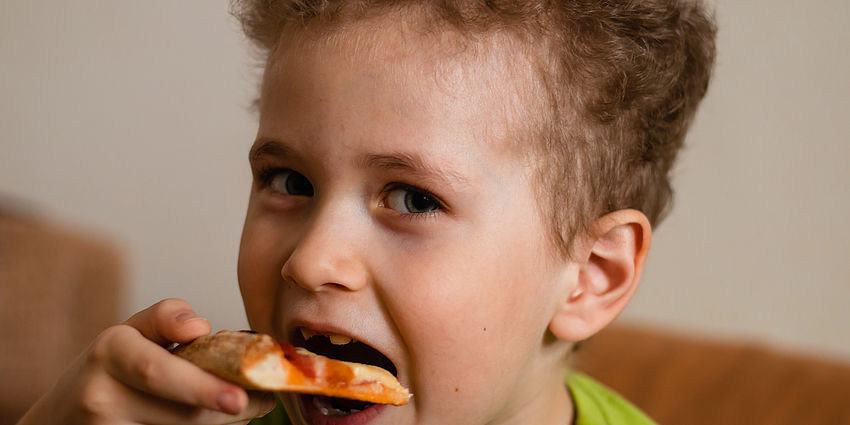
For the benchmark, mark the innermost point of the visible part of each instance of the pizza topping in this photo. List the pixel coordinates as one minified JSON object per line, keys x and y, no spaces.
{"x":351,"y":350}
{"x":345,"y":348}
{"x":301,"y":361}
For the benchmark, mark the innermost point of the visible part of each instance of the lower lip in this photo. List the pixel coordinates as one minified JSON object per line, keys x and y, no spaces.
{"x":314,"y":417}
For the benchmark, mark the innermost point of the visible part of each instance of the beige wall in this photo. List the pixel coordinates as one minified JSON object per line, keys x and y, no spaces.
{"x":758,"y":243}
{"x":130,"y":117}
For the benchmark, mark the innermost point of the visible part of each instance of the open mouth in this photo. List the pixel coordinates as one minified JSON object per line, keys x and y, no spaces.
{"x":340,"y":347}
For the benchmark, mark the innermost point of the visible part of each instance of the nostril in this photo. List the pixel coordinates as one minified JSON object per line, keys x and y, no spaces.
{"x":333,"y":285}
{"x":286,"y":273}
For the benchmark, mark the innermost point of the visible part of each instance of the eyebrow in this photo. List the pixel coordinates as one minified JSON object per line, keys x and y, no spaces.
{"x":413,"y":164}
{"x":269,"y":148}
{"x":408,"y":162}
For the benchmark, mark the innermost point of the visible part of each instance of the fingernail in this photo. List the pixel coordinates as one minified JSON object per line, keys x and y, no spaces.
{"x":228,"y":403}
{"x":186,"y":316}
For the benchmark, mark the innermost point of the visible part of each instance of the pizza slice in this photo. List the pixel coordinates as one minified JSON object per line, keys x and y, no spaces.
{"x":258,"y":362}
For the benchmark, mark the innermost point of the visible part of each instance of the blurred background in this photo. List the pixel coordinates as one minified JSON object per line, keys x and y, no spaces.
{"x":129,"y":122}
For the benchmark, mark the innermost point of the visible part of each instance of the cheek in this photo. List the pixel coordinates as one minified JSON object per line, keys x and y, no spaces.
{"x":259,"y":274}
{"x":467,"y":317}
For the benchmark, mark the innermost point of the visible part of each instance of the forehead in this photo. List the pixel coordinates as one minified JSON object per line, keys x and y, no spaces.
{"x":421,"y":66}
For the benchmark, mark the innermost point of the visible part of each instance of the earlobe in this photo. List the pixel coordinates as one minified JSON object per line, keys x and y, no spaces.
{"x":609,"y":272}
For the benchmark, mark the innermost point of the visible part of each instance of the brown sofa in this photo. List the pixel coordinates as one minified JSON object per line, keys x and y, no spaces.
{"x":684,"y":380}
{"x":58,"y":288}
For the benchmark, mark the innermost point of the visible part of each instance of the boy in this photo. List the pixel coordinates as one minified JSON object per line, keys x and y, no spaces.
{"x":461,"y":191}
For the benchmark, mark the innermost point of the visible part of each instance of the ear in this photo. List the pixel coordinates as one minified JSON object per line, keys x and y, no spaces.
{"x":610,"y":263}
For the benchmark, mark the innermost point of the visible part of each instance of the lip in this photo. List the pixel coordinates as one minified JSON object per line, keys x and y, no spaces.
{"x":312,"y":415}
{"x":292,"y":331}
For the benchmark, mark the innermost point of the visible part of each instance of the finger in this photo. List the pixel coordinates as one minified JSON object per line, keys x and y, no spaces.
{"x":170,"y":320}
{"x":147,"y":409}
{"x":141,"y":364}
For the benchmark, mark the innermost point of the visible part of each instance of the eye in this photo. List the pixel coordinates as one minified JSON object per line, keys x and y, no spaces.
{"x":411,"y":201}
{"x":291,"y":183}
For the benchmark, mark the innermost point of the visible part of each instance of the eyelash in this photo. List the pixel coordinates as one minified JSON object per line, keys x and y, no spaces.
{"x":441,"y":206}
{"x":265,"y":175}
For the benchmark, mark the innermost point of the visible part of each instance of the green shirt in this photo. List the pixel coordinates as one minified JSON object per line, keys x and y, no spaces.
{"x":594,"y":404}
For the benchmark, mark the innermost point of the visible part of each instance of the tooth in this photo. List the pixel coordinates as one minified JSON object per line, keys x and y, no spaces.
{"x":306,"y":333}
{"x":324,"y":406}
{"x":339,"y":339}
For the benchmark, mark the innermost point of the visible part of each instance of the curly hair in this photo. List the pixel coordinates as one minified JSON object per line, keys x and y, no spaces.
{"x":622,"y":82}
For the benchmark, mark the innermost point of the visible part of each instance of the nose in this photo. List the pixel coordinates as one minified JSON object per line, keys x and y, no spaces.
{"x":328,"y":254}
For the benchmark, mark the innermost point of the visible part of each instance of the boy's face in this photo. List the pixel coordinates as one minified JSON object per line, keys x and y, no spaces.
{"x":388,"y":207}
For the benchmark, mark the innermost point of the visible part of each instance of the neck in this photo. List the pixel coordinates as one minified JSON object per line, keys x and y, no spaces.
{"x":550,"y":405}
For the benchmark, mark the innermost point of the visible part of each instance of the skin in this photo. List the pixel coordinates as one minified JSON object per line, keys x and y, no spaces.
{"x":459,"y":298}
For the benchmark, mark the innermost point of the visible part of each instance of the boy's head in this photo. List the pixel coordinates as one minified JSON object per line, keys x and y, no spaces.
{"x":458,"y":187}
{"x":615,"y":86}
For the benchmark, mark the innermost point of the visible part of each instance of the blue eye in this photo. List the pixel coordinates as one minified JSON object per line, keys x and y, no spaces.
{"x":291,"y":183}
{"x":410,"y":200}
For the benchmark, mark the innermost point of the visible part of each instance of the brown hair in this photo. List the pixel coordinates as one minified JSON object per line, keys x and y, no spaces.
{"x":623,"y":81}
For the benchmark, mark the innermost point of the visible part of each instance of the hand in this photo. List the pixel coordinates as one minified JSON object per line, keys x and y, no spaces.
{"x":127,"y":376}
